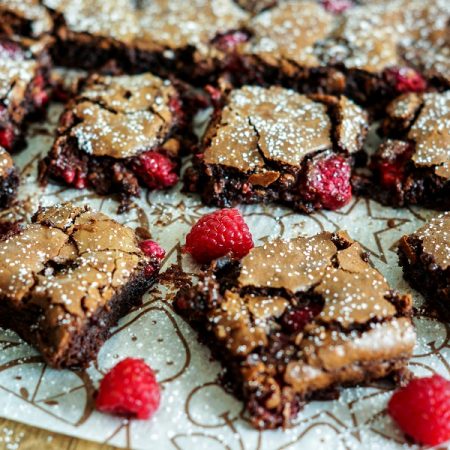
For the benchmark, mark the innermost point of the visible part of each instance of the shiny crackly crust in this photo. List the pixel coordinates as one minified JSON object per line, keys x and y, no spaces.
{"x":361,"y":329}
{"x":66,"y":278}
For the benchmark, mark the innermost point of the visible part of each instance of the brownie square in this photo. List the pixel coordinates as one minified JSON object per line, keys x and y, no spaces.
{"x":425,"y":259}
{"x":162,"y":36}
{"x":273,"y":144}
{"x":9,"y":179}
{"x":368,"y":52}
{"x":119,"y":132}
{"x":296,"y":320}
{"x":412,"y":165}
{"x":26,"y":18}
{"x":24,"y":87}
{"x":67,"y":278}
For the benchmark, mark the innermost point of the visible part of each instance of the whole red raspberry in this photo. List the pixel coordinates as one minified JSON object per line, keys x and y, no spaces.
{"x":422,"y":409}
{"x":337,"y":6}
{"x":7,"y":138}
{"x":296,"y":319}
{"x":405,"y":79}
{"x":218,"y":234}
{"x":328,"y":182}
{"x":129,"y":389}
{"x":155,"y":170}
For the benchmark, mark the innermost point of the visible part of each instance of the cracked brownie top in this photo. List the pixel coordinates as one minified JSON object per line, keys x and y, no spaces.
{"x":424,"y":122}
{"x":121,"y":116}
{"x":435,"y":240}
{"x":259,"y":125}
{"x":70,"y":260}
{"x":307,"y":313}
{"x":159,"y":25}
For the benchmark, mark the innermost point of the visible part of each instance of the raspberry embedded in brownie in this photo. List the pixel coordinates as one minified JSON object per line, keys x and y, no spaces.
{"x":412,"y":165}
{"x":295,"y":320}
{"x":24,"y":87}
{"x":276,"y":145}
{"x":118,"y":133}
{"x":425,"y":259}
{"x":67,"y":278}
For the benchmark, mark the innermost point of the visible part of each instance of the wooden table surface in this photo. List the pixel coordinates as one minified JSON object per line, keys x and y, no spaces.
{"x":16,"y":436}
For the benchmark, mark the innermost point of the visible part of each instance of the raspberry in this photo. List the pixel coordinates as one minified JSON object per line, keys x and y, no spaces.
{"x":218,"y":234}
{"x":155,"y":170}
{"x":328,"y":182}
{"x":152,"y":250}
{"x":405,"y":79}
{"x":229,"y":41}
{"x":7,"y":138}
{"x":129,"y":389}
{"x":296,"y":319}
{"x":40,"y":96}
{"x":391,"y":163}
{"x":422,"y":409}
{"x":337,"y":6}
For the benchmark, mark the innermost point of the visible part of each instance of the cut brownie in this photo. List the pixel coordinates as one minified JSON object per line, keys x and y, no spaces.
{"x":425,"y":258}
{"x":412,"y":166}
{"x":119,"y":132}
{"x":163,"y":36}
{"x":9,"y":179}
{"x":369,"y":52}
{"x":276,"y":145}
{"x":24,"y":87}
{"x":67,"y":278}
{"x":27,"y":18}
{"x":296,"y":320}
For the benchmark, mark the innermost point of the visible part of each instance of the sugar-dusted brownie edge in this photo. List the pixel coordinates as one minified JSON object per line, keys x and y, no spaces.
{"x":69,"y":164}
{"x":222,"y":185}
{"x":240,"y":375}
{"x":27,"y":104}
{"x":83,"y":336}
{"x":409,"y":167}
{"x":425,"y":270}
{"x":9,"y":179}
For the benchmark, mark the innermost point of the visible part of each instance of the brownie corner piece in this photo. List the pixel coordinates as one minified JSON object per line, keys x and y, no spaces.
{"x":9,"y":179}
{"x":119,"y":133}
{"x":296,"y":320}
{"x":425,"y":259}
{"x":412,"y":165}
{"x":67,"y":278}
{"x":273,"y":144}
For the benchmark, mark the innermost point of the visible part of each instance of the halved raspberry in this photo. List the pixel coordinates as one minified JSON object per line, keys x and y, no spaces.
{"x":422,"y":409}
{"x":296,"y":319}
{"x":337,"y":6}
{"x":156,"y":170}
{"x":405,"y":79}
{"x":129,"y":389}
{"x":218,"y":234}
{"x":230,"y":41}
{"x":328,"y":182}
